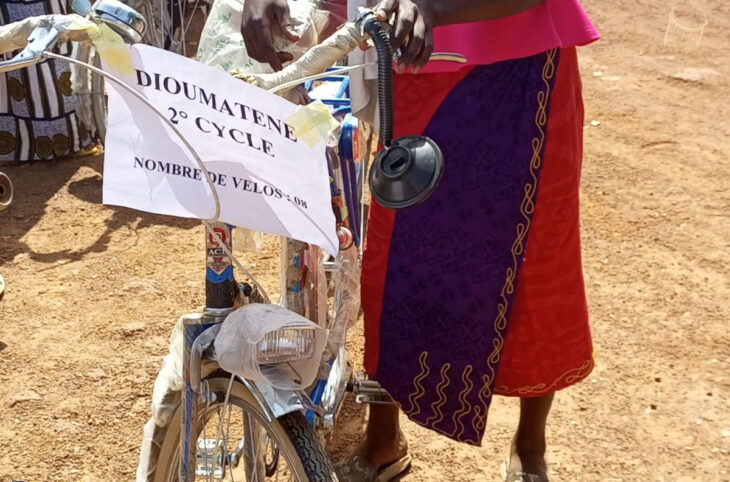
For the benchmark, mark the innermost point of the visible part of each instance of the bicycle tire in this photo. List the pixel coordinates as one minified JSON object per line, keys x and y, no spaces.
{"x":294,"y":436}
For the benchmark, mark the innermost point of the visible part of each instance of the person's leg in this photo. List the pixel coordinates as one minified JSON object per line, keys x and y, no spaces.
{"x":529,"y":442}
{"x":550,"y":314}
{"x":384,"y":441}
{"x":416,"y":99}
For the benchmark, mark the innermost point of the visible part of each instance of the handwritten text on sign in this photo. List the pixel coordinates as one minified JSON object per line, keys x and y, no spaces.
{"x":265,"y":178}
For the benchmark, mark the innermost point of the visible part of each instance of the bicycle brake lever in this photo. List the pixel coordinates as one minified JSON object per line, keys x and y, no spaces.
{"x":41,"y":39}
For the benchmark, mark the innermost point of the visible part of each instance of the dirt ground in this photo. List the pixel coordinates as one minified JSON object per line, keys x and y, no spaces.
{"x":92,"y":292}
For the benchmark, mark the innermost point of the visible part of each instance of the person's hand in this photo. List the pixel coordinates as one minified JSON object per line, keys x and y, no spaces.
{"x":413,"y":31}
{"x":262,"y":21}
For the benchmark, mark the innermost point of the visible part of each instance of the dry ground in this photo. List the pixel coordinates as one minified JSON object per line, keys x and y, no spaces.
{"x":92,"y":292}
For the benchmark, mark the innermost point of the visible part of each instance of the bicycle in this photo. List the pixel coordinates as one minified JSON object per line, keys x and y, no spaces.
{"x":274,"y":429}
{"x":321,"y":402}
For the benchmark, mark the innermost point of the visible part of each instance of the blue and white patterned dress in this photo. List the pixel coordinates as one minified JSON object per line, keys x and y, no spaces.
{"x":37,"y":108}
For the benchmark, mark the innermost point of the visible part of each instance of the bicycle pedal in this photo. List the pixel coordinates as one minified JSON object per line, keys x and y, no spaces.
{"x":369,"y":391}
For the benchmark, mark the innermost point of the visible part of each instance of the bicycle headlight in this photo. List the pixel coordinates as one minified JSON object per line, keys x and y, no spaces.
{"x":272,"y":345}
{"x":286,"y":345}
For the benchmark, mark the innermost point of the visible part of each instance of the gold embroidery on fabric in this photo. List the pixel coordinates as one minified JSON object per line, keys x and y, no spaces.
{"x":527,"y":208}
{"x":419,"y":390}
{"x":436,"y":406}
{"x":570,"y":377}
{"x":443,"y":432}
{"x":465,"y":405}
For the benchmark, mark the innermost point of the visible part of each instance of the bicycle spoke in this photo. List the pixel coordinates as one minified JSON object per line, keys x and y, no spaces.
{"x":256,"y":445}
{"x":163,"y":12}
{"x":181,"y":11}
{"x":219,"y":432}
{"x":225,"y":443}
{"x":259,"y":453}
{"x":253,"y":442}
{"x":234,"y":438}
{"x":205,"y":438}
{"x":192,"y":17}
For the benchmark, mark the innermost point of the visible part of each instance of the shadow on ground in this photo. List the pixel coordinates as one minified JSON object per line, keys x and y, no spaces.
{"x":41,"y":182}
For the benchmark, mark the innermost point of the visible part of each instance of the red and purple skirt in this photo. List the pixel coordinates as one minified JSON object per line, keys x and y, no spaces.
{"x":479,"y":290}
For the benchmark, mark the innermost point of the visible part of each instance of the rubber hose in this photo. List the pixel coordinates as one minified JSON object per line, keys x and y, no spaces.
{"x":385,"y":77}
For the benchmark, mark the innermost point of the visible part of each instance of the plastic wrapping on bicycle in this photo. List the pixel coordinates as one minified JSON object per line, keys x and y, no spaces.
{"x":316,"y":60}
{"x":72,"y":27}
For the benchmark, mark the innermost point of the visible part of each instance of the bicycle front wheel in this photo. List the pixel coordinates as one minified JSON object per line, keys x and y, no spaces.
{"x":236,"y":443}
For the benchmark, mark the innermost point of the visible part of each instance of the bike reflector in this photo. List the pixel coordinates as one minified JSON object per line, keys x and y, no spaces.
{"x":6,"y":191}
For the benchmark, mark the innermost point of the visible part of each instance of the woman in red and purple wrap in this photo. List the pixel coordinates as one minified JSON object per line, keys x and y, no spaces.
{"x":479,"y":290}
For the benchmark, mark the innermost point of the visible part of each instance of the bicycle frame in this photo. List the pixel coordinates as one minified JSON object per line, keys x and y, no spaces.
{"x":220,"y":285}
{"x":222,"y":290}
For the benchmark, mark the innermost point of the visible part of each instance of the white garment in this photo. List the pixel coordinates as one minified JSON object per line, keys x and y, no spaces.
{"x":363,"y":82}
{"x":221,"y":42}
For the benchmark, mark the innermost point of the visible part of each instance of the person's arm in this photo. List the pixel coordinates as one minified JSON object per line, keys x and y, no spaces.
{"x":413,"y":32}
{"x":415,"y":20}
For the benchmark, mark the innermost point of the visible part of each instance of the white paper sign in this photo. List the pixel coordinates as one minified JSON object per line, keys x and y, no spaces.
{"x":266,"y":179}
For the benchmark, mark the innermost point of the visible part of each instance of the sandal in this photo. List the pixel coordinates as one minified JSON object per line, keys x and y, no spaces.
{"x":359,"y":469}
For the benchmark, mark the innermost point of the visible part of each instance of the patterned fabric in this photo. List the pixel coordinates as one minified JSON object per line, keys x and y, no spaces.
{"x":440,"y":279}
{"x":37,"y":107}
{"x":548,"y":345}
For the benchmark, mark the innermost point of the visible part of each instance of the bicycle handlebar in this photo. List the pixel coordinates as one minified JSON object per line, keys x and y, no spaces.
{"x":42,"y":33}
{"x":319,"y":58}
{"x":37,"y":35}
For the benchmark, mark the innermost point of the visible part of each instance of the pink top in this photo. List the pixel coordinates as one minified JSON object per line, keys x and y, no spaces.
{"x":551,"y":24}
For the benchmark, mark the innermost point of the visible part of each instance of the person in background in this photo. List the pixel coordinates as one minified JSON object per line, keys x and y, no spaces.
{"x":479,"y":290}
{"x":38,"y":118}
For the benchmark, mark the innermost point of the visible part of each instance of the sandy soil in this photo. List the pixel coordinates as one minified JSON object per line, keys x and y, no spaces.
{"x":92,"y":291}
